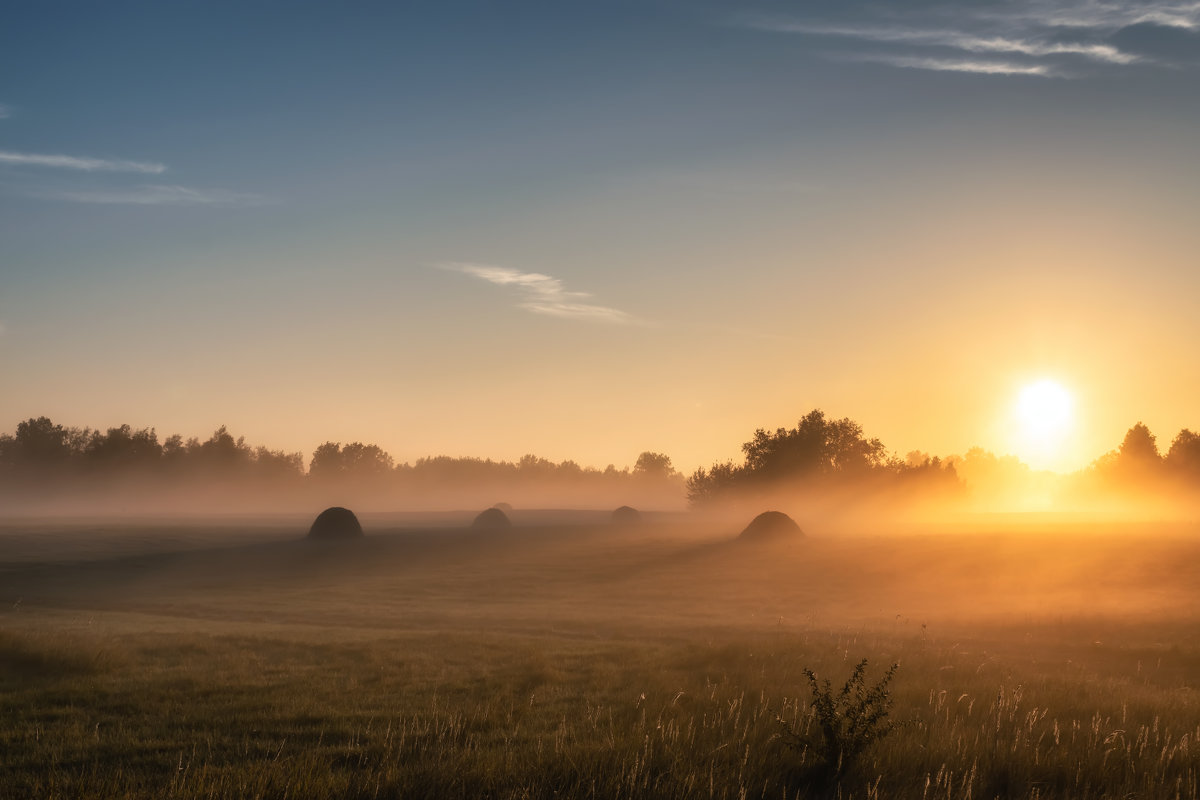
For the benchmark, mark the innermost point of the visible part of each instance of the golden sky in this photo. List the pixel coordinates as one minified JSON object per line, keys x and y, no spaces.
{"x":585,"y":233}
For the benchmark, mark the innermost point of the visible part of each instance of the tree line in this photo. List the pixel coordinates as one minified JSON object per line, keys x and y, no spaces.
{"x":44,"y":457}
{"x":1138,"y":460}
{"x":823,"y":453}
{"x":818,"y":453}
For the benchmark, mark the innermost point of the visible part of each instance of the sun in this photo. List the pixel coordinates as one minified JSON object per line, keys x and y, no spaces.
{"x":1044,"y":408}
{"x":1045,"y":415}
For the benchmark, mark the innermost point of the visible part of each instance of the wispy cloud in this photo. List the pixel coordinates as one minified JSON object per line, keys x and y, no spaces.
{"x":543,"y":294}
{"x":161,"y":195}
{"x":1049,"y":38}
{"x":80,"y":163}
{"x":958,"y":40}
{"x":145,"y":194}
{"x":1109,"y":17}
{"x":959,"y":65}
{"x":5,"y":111}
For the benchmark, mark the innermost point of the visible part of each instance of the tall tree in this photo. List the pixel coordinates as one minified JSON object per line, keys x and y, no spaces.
{"x":1184,"y":455}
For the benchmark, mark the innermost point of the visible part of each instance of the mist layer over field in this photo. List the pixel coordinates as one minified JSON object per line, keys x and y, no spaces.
{"x":1039,"y":655}
{"x":679,"y":567}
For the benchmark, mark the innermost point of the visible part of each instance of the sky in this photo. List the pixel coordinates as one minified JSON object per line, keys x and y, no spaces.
{"x":586,"y":230}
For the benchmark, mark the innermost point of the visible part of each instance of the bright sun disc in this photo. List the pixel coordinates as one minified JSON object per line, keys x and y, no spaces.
{"x":1044,"y":409}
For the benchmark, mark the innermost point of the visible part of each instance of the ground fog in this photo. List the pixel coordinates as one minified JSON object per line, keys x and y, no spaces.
{"x":1039,"y":656}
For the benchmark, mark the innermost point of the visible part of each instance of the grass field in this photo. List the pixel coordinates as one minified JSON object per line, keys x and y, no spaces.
{"x":569,"y":658}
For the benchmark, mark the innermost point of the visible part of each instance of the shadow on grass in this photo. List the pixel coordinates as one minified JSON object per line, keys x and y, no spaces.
{"x":31,"y":658}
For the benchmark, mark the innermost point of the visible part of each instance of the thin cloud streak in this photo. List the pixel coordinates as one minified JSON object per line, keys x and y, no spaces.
{"x":960,"y":65}
{"x":957,"y":40}
{"x":543,"y":294}
{"x":1044,"y":34}
{"x":5,"y":111}
{"x":1112,"y":17}
{"x":162,"y":195}
{"x":80,"y":163}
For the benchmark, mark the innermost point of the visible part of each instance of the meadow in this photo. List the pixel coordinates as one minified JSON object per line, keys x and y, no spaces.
{"x":568,"y":657}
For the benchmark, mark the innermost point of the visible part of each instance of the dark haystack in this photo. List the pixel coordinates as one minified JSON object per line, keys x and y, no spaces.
{"x":771,"y":525}
{"x":626,"y":515}
{"x":505,"y":507}
{"x":335,"y":523}
{"x":491,"y":518}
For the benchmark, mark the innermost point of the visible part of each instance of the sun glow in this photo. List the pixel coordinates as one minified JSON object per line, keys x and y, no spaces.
{"x":1045,"y":415}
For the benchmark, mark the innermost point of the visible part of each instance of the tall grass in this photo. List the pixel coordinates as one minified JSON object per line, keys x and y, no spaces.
{"x":211,"y":716}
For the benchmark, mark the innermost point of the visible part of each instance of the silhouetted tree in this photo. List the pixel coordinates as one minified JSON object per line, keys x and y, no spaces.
{"x":362,"y":460}
{"x":174,"y":450}
{"x":444,"y":469}
{"x":326,"y":460}
{"x":817,"y":449}
{"x":983,"y":466}
{"x":815,"y":446}
{"x":705,"y":486}
{"x":569,"y":470}
{"x":1184,"y":456}
{"x":1139,"y":447}
{"x":533,"y":466}
{"x":929,"y":471}
{"x":40,"y":443}
{"x":123,"y":447}
{"x":276,"y":464}
{"x":220,"y":452}
{"x":653,"y":466}
{"x":1136,"y":461}
{"x":365,"y":459}
{"x":1135,"y":465}
{"x":58,"y":459}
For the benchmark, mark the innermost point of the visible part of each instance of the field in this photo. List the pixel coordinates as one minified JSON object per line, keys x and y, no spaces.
{"x":567,"y":657}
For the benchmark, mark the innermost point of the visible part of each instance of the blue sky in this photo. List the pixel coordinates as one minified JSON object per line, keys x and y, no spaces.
{"x":678,"y":221}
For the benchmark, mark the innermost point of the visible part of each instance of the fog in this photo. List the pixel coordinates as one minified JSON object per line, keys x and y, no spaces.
{"x":577,"y":568}
{"x":824,"y":468}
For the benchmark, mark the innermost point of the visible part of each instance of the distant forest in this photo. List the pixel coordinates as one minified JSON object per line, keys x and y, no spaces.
{"x":43,"y":464}
{"x":47,"y":467}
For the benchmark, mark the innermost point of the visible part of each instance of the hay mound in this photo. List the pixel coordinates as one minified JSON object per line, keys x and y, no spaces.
{"x":771,"y":525}
{"x":335,"y":523}
{"x":505,"y":507}
{"x":492,"y":518}
{"x":626,"y":515}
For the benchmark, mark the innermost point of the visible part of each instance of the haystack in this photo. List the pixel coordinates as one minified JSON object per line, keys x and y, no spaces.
{"x":626,"y":515}
{"x":491,"y":518}
{"x":505,"y":507}
{"x":771,"y":525}
{"x":335,"y":523}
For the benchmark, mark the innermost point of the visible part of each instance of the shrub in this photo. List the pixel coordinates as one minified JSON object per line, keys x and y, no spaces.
{"x":847,"y":722}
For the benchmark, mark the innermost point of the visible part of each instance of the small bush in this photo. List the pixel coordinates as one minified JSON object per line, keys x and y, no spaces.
{"x":847,"y":722}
